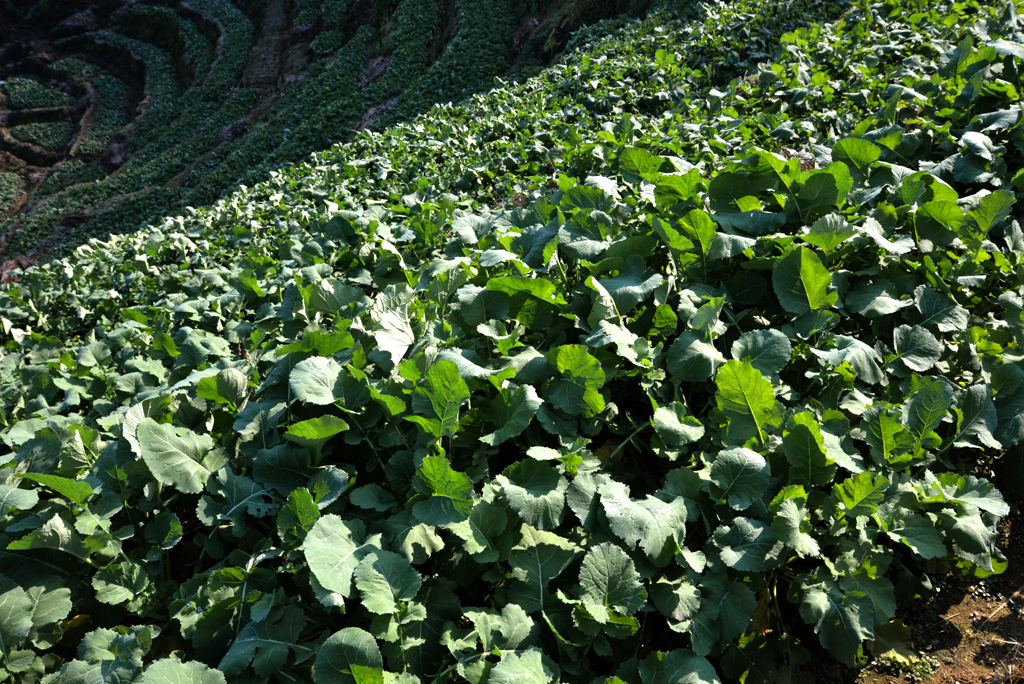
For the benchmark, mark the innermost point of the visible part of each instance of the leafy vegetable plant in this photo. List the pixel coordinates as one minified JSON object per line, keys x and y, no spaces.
{"x":719,"y":387}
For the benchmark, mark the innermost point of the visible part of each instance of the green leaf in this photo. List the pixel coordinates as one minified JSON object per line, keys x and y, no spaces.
{"x":229,"y":386}
{"x":928,"y":406}
{"x":639,"y":162}
{"x":333,"y":549}
{"x":297,"y":516}
{"x":237,"y":497}
{"x":577,"y":391}
{"x":747,"y":400}
{"x":916,"y":348}
{"x":386,"y":581}
{"x":316,"y":432}
{"x":15,"y":615}
{"x":804,"y":446}
{"x":766,"y":350}
{"x":118,"y":583}
{"x":441,"y":396}
{"x":894,"y":644}
{"x":633,"y":284}
{"x":265,"y":645}
{"x":450,"y":492}
{"x":12,"y":498}
{"x":692,"y":359}
{"x":171,"y":671}
{"x":481,"y":532}
{"x":802,"y":283}
{"x":976,"y":420}
{"x":939,"y":311}
{"x":747,"y":545}
{"x":920,"y":534}
{"x":676,"y":427}
{"x":177,"y":456}
{"x":535,"y":491}
{"x":860,"y":495}
{"x":526,"y":666}
{"x":842,"y":620}
{"x":828,"y":232}
{"x":537,"y":559}
{"x":610,"y":581}
{"x":857,"y":154}
{"x":792,"y":525}
{"x":650,"y":522}
{"x":680,"y":666}
{"x":511,"y":411}
{"x":348,"y":656}
{"x":77,"y":491}
{"x":317,"y":380}
{"x":739,"y":476}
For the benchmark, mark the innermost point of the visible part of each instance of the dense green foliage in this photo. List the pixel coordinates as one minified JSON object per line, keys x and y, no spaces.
{"x":697,"y":347}
{"x":24,"y":93}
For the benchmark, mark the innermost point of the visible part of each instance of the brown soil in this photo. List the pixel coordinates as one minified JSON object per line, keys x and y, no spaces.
{"x":973,"y":631}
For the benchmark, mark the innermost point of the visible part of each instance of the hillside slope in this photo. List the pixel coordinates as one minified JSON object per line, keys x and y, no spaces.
{"x":114,"y":114}
{"x":689,"y":359}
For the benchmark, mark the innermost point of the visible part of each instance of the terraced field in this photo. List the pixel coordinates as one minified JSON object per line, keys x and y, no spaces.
{"x":113,"y":114}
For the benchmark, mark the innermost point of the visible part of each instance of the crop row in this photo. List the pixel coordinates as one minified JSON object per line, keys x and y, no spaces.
{"x":111,"y":117}
{"x":26,"y":93}
{"x":11,"y":188}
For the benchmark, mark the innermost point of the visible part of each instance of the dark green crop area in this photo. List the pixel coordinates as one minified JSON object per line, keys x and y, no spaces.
{"x":693,"y":357}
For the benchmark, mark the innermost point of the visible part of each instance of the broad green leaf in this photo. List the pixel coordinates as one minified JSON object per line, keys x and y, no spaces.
{"x":316,"y":432}
{"x":633,"y":284}
{"x":649,"y":522}
{"x":793,"y":526}
{"x":921,"y":535}
{"x":939,"y":311}
{"x":333,"y":549}
{"x":481,"y":532}
{"x":449,"y":492}
{"x":766,"y":350}
{"x":386,"y":581}
{"x":511,"y":411}
{"x":857,"y":154}
{"x":804,"y":446}
{"x":526,"y":667}
{"x":537,"y":559}
{"x":349,"y":656}
{"x":802,"y":283}
{"x":535,"y":491}
{"x":888,"y":437}
{"x":747,"y":545}
{"x":234,"y":498}
{"x":441,"y":396}
{"x":739,"y":476}
{"x":676,"y":427}
{"x":77,"y":491}
{"x":316,"y":380}
{"x":229,"y":386}
{"x":610,"y":581}
{"x":177,"y":456}
{"x":12,"y":498}
{"x":692,"y":359}
{"x":172,"y":671}
{"x":726,"y":604}
{"x":15,"y":615}
{"x":928,"y":406}
{"x":747,"y":400}
{"x":916,"y":348}
{"x":577,"y":391}
{"x":680,"y":666}
{"x":639,"y":162}
{"x":842,"y":620}
{"x":265,"y":645}
{"x":860,"y":495}
{"x":297,"y":516}
{"x":118,"y":583}
{"x":828,"y":232}
{"x":976,"y":420}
